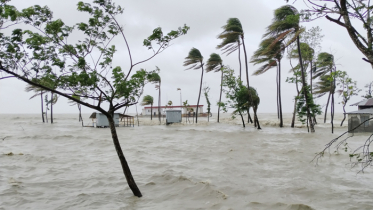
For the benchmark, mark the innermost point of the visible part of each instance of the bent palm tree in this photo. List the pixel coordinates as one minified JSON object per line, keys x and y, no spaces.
{"x":231,"y":38}
{"x":215,"y":63}
{"x":156,"y":79}
{"x":148,"y":100}
{"x":195,"y":61}
{"x":38,"y":92}
{"x":270,"y":57}
{"x":285,"y":24}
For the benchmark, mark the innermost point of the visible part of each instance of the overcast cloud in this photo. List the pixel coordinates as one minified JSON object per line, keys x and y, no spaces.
{"x":205,"y":19}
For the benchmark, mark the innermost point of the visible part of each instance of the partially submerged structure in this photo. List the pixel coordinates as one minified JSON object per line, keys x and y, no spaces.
{"x":365,"y":111}
{"x":173,"y":116}
{"x":147,"y":110}
{"x":99,"y":120}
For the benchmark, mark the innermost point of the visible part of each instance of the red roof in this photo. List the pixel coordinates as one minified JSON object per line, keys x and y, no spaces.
{"x":156,"y":107}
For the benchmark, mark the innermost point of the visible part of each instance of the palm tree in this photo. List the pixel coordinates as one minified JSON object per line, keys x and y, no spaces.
{"x":231,"y":38}
{"x":215,"y":63}
{"x":38,"y":92}
{"x":254,"y":102}
{"x":270,"y":57}
{"x":195,"y":61}
{"x":148,"y":100}
{"x":325,"y":65}
{"x":73,"y":103}
{"x":286,"y":25}
{"x":156,"y":79}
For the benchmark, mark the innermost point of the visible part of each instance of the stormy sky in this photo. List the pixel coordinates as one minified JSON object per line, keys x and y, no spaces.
{"x":205,"y":18}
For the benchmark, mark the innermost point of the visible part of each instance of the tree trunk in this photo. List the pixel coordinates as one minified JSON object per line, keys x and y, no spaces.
{"x":304,"y":85}
{"x":159,"y":102}
{"x":279,"y":93}
{"x":247,"y":69}
{"x":344,"y":114}
{"x":52,"y":107}
{"x":221,"y":91}
{"x":151,"y":111}
{"x":239,"y":56}
{"x":295,"y":107}
{"x":200,"y":88}
{"x":278,"y":110}
{"x":243,"y":121}
{"x":326,"y":107}
{"x":311,"y":79}
{"x":256,"y":118}
{"x":126,"y":170}
{"x":332,"y":112}
{"x":42,"y":111}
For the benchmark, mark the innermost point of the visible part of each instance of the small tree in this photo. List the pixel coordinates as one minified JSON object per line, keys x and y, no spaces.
{"x":206,"y":90}
{"x":348,"y":89}
{"x":368,"y":92}
{"x":44,"y":53}
{"x":239,"y":97}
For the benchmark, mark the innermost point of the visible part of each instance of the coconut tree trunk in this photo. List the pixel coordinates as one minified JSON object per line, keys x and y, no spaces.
{"x":42,"y":111}
{"x":239,"y":56}
{"x":311,"y":79}
{"x":326,"y":107}
{"x":247,"y":69}
{"x":151,"y":111}
{"x":221,"y":91}
{"x":295,"y":107}
{"x":279,"y":93}
{"x":306,"y":96}
{"x":126,"y":170}
{"x":200,"y":88}
{"x":159,"y":102}
{"x":278,"y":112}
{"x":52,"y":107}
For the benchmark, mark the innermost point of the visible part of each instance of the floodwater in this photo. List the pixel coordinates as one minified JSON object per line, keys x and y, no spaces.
{"x":209,"y":166}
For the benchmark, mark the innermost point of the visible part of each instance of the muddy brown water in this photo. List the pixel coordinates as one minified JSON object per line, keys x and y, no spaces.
{"x":205,"y":166}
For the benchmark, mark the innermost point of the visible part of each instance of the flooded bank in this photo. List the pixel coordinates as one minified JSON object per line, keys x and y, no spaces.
{"x":205,"y":166}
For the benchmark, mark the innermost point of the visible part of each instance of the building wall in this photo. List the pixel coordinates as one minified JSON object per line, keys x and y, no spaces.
{"x":356,"y":119}
{"x":146,"y":111}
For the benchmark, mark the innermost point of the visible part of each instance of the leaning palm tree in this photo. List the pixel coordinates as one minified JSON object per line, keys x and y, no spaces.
{"x":195,"y":61}
{"x":285,"y":24}
{"x":270,"y":57}
{"x":38,"y":92}
{"x":156,"y":79}
{"x":231,"y":39}
{"x":148,"y":100}
{"x":325,"y":65}
{"x":215,"y":63}
{"x":77,"y":95}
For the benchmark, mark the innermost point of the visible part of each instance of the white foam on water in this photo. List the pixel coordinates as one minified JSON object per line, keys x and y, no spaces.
{"x":208,"y":165}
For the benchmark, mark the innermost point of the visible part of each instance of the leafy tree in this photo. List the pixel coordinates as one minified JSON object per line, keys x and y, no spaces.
{"x":45,"y":52}
{"x":239,"y":98}
{"x":215,"y":63}
{"x":270,"y":57}
{"x":148,"y":100}
{"x":342,"y":13}
{"x":348,"y":89}
{"x":206,"y":91}
{"x":195,"y":61}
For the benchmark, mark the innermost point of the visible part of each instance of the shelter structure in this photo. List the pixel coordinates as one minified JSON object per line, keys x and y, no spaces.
{"x":147,"y":110}
{"x":127,"y":120}
{"x":173,"y":116}
{"x":99,"y":120}
{"x":364,"y":112}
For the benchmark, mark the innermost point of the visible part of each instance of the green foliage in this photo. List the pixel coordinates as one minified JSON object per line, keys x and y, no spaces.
{"x":83,"y":68}
{"x":239,"y":97}
{"x":269,"y":52}
{"x":348,"y":86}
{"x":147,"y":100}
{"x":301,"y":107}
{"x":230,"y":36}
{"x":324,"y":64}
{"x":206,"y":91}
{"x":194,"y":59}
{"x":214,"y":63}
{"x":285,"y":18}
